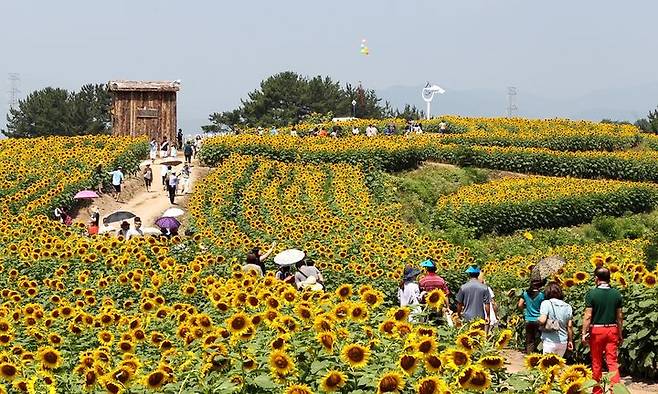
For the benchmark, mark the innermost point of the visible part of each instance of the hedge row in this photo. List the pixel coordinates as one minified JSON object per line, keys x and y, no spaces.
{"x":398,"y":153}
{"x":507,"y":217}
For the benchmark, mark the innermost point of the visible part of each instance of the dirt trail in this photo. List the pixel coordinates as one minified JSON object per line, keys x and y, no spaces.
{"x":493,"y":174}
{"x":149,"y":206}
{"x":515,"y":363}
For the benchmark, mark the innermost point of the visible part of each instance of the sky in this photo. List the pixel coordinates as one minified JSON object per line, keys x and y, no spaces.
{"x":221,"y":50}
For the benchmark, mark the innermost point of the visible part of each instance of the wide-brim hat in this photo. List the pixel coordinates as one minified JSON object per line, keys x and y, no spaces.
{"x":311,"y":283}
{"x":410,"y":273}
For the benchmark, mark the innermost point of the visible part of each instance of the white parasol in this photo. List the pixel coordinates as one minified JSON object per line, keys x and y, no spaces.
{"x":289,"y":257}
{"x":173,"y":212}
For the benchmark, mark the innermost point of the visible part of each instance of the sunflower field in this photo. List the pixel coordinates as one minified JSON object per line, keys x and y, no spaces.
{"x":101,"y":314}
{"x":506,"y":205}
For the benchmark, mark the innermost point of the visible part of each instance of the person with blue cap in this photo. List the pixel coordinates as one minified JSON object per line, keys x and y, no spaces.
{"x":473,"y":298}
{"x":432,"y":281}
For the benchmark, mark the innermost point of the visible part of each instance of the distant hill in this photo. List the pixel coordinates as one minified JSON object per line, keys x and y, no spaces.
{"x":628,"y":103}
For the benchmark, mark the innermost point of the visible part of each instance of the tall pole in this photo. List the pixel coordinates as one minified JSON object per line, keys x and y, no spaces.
{"x":14,"y":91}
{"x":511,"y":102}
{"x":428,"y":110}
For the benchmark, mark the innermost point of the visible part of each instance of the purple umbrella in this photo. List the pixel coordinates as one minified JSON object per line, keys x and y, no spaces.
{"x":85,"y":194}
{"x":167,"y":222}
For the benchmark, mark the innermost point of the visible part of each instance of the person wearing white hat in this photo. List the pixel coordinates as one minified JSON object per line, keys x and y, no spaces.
{"x":310,"y":283}
{"x":305,"y":271}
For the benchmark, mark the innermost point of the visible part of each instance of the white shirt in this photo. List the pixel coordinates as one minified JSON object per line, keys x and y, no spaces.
{"x":493,"y":320}
{"x":293,"y":133}
{"x":410,"y":295}
{"x":371,"y":131}
{"x":134,"y":232}
{"x":355,"y":131}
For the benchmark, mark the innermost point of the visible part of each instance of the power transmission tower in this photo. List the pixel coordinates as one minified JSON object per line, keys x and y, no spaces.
{"x":511,"y":101}
{"x":14,"y":91}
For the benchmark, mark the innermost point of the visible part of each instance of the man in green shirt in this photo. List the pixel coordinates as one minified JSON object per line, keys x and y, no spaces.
{"x":602,"y":326}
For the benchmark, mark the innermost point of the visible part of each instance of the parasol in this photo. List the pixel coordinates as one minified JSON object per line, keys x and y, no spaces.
{"x":85,"y":194}
{"x":172,"y":163}
{"x":151,"y":231}
{"x":167,"y":222}
{"x":289,"y":257}
{"x":173,"y":212}
{"x":547,"y":267}
{"x":118,"y":216}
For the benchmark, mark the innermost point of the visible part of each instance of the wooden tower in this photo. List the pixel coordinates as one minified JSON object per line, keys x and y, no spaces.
{"x":144,"y":108}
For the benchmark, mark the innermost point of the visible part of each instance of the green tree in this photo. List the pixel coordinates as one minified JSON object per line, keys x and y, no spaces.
{"x":650,"y":124}
{"x":54,"y":111}
{"x":289,"y":98}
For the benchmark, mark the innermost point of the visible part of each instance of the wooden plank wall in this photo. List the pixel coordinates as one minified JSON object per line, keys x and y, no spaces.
{"x":125,"y":119}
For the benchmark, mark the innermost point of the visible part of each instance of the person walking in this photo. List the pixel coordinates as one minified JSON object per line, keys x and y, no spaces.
{"x":188,"y":151}
{"x":473,"y":299}
{"x":529,"y":303}
{"x":172,"y":185}
{"x":185,"y":180}
{"x":117,"y":181}
{"x":556,"y":321}
{"x":164,"y":173}
{"x":148,"y":177}
{"x":125,"y":228}
{"x":137,"y":231}
{"x":164,"y":148}
{"x":433,"y":281}
{"x":179,"y":138}
{"x":493,"y":308}
{"x":603,"y":323}
{"x":409,"y":292}
{"x":153,"y":152}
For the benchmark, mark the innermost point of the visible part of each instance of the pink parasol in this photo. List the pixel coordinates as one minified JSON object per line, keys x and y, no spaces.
{"x":85,"y":194}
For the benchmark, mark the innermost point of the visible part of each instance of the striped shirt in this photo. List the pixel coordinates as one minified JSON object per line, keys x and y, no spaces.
{"x":433,"y":281}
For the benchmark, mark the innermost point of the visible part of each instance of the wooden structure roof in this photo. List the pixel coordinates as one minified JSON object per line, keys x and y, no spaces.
{"x":144,"y":86}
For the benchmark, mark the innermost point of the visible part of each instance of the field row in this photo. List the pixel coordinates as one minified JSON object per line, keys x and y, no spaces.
{"x":506,"y":205}
{"x":400,"y":153}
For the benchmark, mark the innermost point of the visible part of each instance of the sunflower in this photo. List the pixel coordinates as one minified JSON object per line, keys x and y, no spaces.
{"x":433,"y":363}
{"x":576,"y":387}
{"x":280,"y":362}
{"x":427,"y":345}
{"x":355,"y":355}
{"x":480,"y":380}
{"x":503,"y":338}
{"x":432,"y":385}
{"x":408,"y":363}
{"x":492,"y":362}
{"x":550,"y":360}
{"x":359,"y":312}
{"x":298,"y":389}
{"x":390,"y":382}
{"x":435,"y":299}
{"x":156,"y":379}
{"x":239,"y":323}
{"x":465,"y":342}
{"x":327,"y":340}
{"x":456,"y":358}
{"x":105,"y":337}
{"x":333,"y":381}
{"x":8,"y":371}
{"x":344,"y":291}
{"x":649,"y":280}
{"x":532,"y":360}
{"x":50,"y":357}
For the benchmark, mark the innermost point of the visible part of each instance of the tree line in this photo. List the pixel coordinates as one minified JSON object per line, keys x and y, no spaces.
{"x":283,"y":99}
{"x":55,"y":111}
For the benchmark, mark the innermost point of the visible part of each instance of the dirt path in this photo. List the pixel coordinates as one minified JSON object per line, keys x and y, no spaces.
{"x":149,"y":206}
{"x":493,"y":174}
{"x":515,"y":363}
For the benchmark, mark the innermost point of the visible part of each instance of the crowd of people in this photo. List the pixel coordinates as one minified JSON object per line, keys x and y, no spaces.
{"x":548,"y":318}
{"x":337,"y":131}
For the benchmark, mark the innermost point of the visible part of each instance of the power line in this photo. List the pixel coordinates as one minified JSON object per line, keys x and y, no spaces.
{"x":14,"y":89}
{"x":511,"y":101}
